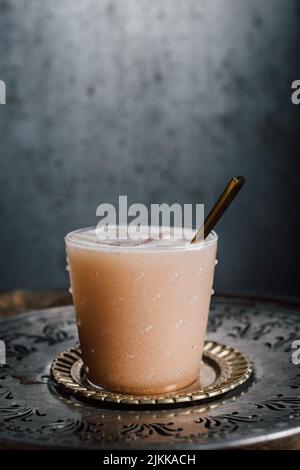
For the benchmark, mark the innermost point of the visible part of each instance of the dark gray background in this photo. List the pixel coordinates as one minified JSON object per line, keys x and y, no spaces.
{"x":163,"y":101}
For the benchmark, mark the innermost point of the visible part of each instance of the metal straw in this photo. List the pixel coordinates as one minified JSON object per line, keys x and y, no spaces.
{"x":220,"y":207}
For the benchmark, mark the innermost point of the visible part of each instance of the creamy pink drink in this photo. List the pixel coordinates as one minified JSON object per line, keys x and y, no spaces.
{"x":141,"y":309}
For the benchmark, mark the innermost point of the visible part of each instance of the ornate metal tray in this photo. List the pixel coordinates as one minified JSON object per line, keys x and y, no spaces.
{"x":31,"y":414}
{"x":224,"y":369}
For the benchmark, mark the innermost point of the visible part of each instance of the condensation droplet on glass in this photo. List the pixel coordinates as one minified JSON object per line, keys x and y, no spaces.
{"x":67,"y":268}
{"x":169,"y":354}
{"x":122,"y":299}
{"x":87,"y":369}
{"x":194,"y":299}
{"x":143,"y":274}
{"x":95,"y":276}
{"x":180,"y":372}
{"x":192,"y":347}
{"x":159,"y":295}
{"x":70,"y":290}
{"x":200,"y":271}
{"x":147,"y":328}
{"x":92,"y":351}
{"x":212,"y":291}
{"x":216,"y":262}
{"x":179,"y":324}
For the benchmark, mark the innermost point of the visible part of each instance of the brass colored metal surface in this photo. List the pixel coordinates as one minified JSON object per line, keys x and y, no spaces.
{"x":224,"y":369}
{"x":220,"y":207}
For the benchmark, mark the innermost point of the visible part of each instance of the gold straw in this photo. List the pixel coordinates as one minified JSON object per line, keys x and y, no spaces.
{"x":220,"y":207}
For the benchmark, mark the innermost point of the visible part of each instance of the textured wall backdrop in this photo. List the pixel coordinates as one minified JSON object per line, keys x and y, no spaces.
{"x":163,"y":101}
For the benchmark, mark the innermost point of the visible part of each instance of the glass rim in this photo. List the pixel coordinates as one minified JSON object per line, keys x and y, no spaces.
{"x":97,"y":246}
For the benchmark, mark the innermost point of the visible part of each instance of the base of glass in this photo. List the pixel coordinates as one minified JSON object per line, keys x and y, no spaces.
{"x":224,"y":369}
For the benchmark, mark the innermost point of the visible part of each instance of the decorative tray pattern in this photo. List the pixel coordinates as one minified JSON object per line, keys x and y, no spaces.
{"x":33,"y":413}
